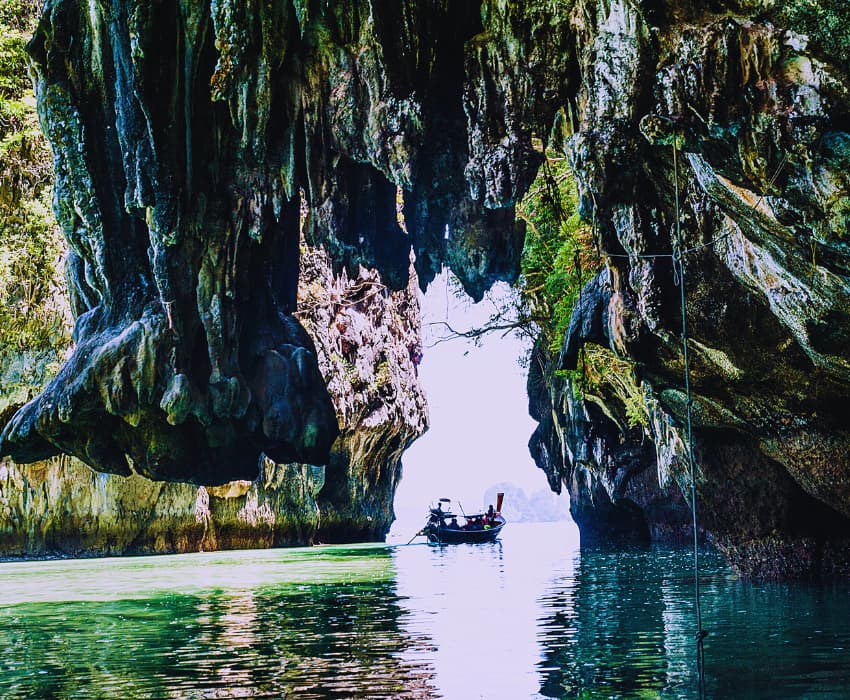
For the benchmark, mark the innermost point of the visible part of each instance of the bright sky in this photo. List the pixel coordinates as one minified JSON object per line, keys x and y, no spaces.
{"x":479,"y":414}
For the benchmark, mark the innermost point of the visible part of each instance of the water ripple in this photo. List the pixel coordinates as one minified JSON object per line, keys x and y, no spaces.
{"x":531,"y":616}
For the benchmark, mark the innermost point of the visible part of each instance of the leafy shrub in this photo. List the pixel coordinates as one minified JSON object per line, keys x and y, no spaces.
{"x":34,"y":314}
{"x":559,"y":256}
{"x":558,"y":259}
{"x":825,"y":22}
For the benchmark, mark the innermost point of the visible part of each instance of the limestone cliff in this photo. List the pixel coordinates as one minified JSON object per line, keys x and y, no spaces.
{"x":586,"y":444}
{"x":368,"y":344}
{"x":188,"y":135}
{"x":750,"y":113}
{"x":186,"y":138}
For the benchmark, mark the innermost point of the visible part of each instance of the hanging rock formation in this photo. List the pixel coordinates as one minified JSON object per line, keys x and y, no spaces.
{"x":189,"y":135}
{"x":367,"y":342}
{"x":752,"y":115}
{"x":588,"y":444}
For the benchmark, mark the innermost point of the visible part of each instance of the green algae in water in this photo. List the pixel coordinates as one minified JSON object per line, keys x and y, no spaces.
{"x":532,"y":616}
{"x":284,"y":571}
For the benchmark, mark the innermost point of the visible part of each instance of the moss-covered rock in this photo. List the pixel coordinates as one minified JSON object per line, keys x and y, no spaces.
{"x":61,"y":506}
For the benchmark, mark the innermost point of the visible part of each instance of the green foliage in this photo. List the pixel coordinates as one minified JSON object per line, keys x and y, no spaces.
{"x":33,"y":312}
{"x":17,"y":22}
{"x":559,"y":258}
{"x":31,"y":251}
{"x":19,"y":15}
{"x":14,"y":78}
{"x":825,"y":22}
{"x":608,"y":377}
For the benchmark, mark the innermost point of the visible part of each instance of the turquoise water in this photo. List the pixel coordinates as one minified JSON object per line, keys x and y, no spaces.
{"x":528,"y":617}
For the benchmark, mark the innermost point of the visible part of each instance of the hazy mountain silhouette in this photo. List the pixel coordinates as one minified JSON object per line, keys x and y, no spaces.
{"x":540,"y":506}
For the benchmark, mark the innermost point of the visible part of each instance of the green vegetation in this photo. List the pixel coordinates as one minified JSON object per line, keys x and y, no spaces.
{"x":825,"y":22}
{"x":34,"y":315}
{"x":559,"y":258}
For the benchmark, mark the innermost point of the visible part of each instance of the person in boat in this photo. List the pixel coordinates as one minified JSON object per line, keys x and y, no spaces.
{"x":453,"y":524}
{"x":491,"y":514}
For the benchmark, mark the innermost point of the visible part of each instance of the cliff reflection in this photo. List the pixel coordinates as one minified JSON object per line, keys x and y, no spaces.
{"x":618,"y":628}
{"x":622,"y":626}
{"x":336,"y":638}
{"x":528,"y":617}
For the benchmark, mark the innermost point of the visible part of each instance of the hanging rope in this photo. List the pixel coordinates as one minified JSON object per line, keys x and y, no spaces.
{"x":678,"y":255}
{"x":679,"y":271}
{"x":814,"y":245}
{"x":595,"y":229}
{"x":168,"y":308}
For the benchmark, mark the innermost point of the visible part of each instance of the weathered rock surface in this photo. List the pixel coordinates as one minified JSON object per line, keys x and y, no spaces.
{"x":587,"y":445}
{"x":188,"y":136}
{"x":61,"y":507}
{"x":368,"y":345}
{"x":755,"y":113}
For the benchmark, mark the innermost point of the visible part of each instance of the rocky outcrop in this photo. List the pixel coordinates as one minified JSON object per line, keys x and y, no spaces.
{"x":61,"y":507}
{"x":369,"y":345}
{"x":188,"y":136}
{"x":750,"y":113}
{"x":587,"y":444}
{"x":367,"y":340}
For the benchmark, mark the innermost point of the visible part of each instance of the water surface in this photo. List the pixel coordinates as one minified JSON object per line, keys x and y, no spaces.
{"x":528,"y":617}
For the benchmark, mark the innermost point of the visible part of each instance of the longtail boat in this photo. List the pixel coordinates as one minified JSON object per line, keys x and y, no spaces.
{"x":446,"y":526}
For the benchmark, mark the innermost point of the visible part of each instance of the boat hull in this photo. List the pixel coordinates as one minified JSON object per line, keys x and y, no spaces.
{"x":444,"y":535}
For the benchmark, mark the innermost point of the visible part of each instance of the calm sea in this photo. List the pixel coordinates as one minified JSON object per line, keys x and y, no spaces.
{"x":530,"y":616}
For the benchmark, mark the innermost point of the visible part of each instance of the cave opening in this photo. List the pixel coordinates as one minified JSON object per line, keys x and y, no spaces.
{"x":477,"y":441}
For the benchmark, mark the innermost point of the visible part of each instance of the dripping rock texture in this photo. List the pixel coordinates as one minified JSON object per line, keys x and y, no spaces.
{"x":191,"y":138}
{"x":187,"y":137}
{"x":367,"y":341}
{"x":729,"y":120}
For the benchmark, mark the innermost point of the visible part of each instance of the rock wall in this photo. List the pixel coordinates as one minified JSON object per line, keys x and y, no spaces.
{"x":368,"y":344}
{"x":186,"y":138}
{"x":587,"y":444}
{"x":188,"y":135}
{"x":728,"y":121}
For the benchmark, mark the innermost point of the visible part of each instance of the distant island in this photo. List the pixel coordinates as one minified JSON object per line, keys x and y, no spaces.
{"x":542,"y":506}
